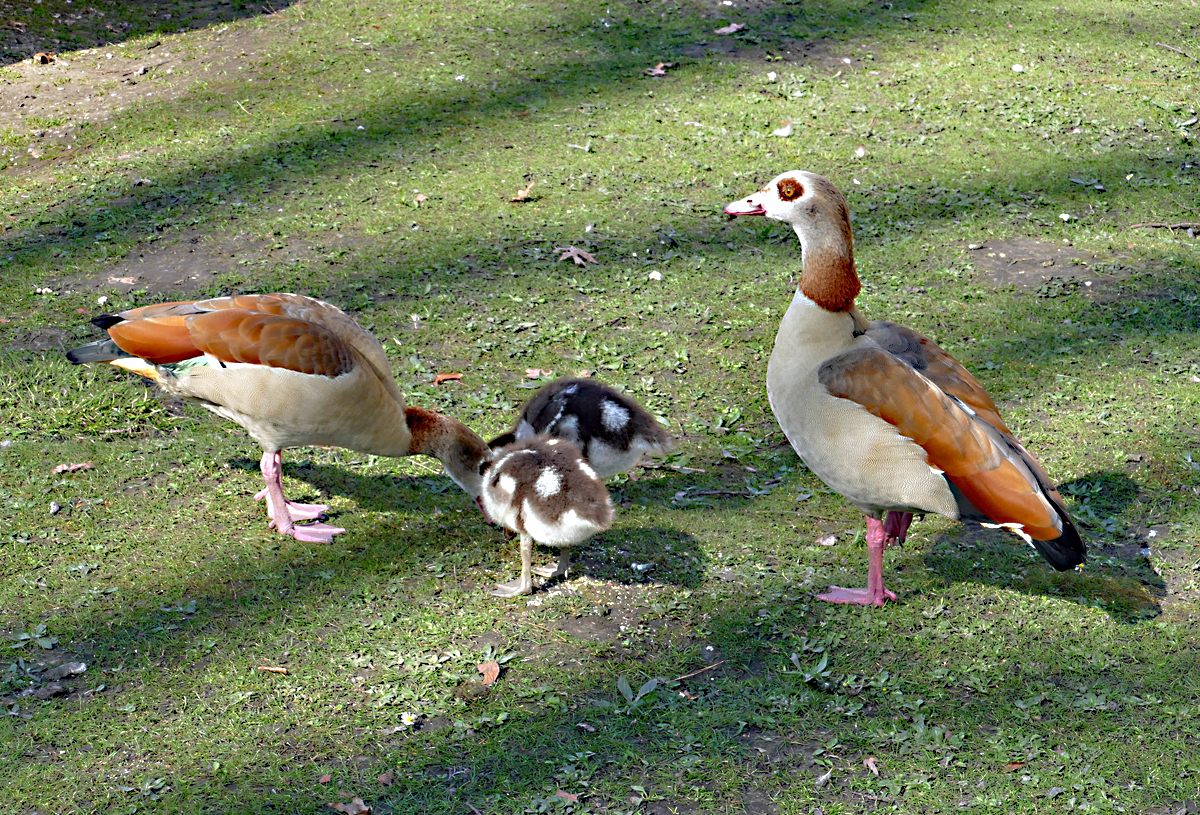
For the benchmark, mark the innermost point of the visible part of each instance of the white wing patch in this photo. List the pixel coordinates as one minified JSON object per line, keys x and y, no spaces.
{"x":506,"y":483}
{"x":548,"y":483}
{"x":1016,"y":528}
{"x":613,"y":416}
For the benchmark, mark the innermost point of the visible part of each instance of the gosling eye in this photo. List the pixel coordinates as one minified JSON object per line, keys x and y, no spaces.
{"x":483,"y":466}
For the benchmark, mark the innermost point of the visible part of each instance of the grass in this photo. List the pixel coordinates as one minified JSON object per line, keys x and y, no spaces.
{"x":286,"y":148}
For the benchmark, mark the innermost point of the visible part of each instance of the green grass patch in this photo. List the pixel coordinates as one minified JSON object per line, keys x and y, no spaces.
{"x":997,"y":161}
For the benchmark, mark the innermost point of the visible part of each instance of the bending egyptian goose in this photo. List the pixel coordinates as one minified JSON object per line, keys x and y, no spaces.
{"x":611,"y":430}
{"x":292,"y":371}
{"x":882,"y":414}
{"x":542,"y":489}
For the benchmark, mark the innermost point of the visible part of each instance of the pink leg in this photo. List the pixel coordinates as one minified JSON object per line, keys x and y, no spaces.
{"x":874,"y":594}
{"x":299,"y":512}
{"x":279,"y":508}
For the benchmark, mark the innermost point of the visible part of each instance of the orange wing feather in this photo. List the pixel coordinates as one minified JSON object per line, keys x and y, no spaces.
{"x":985,"y":469}
{"x":160,"y":340}
{"x":237,"y":335}
{"x":929,"y":359}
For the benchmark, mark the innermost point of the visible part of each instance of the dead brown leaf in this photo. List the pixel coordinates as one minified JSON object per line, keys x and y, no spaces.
{"x":870,"y":762}
{"x":421,"y":198}
{"x":14,"y":25}
{"x":732,"y":28}
{"x":386,"y":778}
{"x":660,"y":69}
{"x":129,"y":281}
{"x":440,"y":378}
{"x":325,"y":779}
{"x":1013,"y":765}
{"x":355,"y":807}
{"x":490,"y":671}
{"x":576,"y":254}
{"x":70,"y":468}
{"x":567,"y":796}
{"x":522,"y":194}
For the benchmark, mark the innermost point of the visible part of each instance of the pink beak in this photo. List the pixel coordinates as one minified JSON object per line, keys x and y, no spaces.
{"x":747,"y":206}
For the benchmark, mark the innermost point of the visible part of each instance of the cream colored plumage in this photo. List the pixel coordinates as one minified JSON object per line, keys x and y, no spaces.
{"x":291,"y":370}
{"x":882,"y":414}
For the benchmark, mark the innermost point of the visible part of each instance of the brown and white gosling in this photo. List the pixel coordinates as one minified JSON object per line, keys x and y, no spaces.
{"x":543,"y":489}
{"x":612,"y":430}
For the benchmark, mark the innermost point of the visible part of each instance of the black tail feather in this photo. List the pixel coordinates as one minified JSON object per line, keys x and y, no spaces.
{"x":1066,"y":551}
{"x":100,"y":351}
{"x":105,"y":321}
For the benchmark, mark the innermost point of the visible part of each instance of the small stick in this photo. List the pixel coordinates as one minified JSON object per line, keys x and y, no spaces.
{"x":271,"y":669}
{"x":1166,"y":226}
{"x":1177,"y":51}
{"x":694,"y":673}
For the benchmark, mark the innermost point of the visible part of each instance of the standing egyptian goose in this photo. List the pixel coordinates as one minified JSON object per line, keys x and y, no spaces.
{"x":612,"y":430}
{"x":543,"y":489}
{"x":292,"y":371}
{"x":883,"y":415}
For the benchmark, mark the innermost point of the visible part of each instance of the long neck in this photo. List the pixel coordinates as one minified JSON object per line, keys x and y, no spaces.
{"x":458,"y":447}
{"x":829,"y":279}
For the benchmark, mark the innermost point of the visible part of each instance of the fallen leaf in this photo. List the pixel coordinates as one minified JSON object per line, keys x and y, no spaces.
{"x":522,"y":194}
{"x":871,"y":764}
{"x":271,"y":669}
{"x":70,"y":468}
{"x":584,"y":374}
{"x":64,"y":670}
{"x":14,"y":25}
{"x":129,"y":281}
{"x":386,"y":779}
{"x":325,"y":779}
{"x":1014,"y":765}
{"x":421,"y":198}
{"x":490,"y":671}
{"x":535,"y":373}
{"x":440,"y":378}
{"x":567,"y":796}
{"x":586,"y":727}
{"x":784,"y":130}
{"x":660,"y":69}
{"x":732,"y":28}
{"x":828,"y":540}
{"x":355,"y":807}
{"x":576,"y":254}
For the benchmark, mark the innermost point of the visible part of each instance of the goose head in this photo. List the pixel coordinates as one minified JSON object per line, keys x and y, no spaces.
{"x":817,"y":211}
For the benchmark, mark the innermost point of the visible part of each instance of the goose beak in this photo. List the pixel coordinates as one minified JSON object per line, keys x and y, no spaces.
{"x":747,"y":206}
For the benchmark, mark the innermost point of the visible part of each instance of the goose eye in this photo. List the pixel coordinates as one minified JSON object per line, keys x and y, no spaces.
{"x":790,"y":189}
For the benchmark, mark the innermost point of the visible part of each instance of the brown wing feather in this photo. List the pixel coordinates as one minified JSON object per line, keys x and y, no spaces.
{"x":961,"y":445}
{"x":931,"y":361}
{"x":160,"y":340}
{"x":237,"y":335}
{"x":309,"y":309}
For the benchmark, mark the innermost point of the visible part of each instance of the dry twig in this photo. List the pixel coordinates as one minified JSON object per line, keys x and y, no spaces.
{"x":1176,"y":50}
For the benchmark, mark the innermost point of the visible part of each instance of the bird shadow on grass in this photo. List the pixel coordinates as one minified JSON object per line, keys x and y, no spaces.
{"x":1118,"y":576}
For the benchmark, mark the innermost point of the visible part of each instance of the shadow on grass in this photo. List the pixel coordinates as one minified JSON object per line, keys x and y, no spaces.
{"x":56,"y":26}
